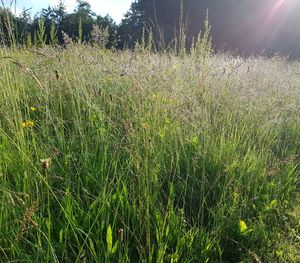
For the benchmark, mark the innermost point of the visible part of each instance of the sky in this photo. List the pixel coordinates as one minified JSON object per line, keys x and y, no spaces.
{"x":115,"y":8}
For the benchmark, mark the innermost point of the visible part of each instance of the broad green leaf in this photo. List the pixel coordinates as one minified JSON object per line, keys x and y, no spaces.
{"x":92,"y":247}
{"x":115,"y":247}
{"x":60,"y":236}
{"x":274,"y":203}
{"x":195,"y":140}
{"x":109,"y":240}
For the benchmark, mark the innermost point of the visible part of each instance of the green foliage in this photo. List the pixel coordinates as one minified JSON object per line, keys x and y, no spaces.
{"x":53,"y":35}
{"x":29,"y":40}
{"x":148,"y":157}
{"x":7,"y":28}
{"x":202,"y":48}
{"x":48,"y":24}
{"x":170,"y":24}
{"x":41,"y":33}
{"x":109,"y":239}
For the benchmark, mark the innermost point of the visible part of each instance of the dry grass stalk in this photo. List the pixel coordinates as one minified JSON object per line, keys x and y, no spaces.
{"x":27,"y":220}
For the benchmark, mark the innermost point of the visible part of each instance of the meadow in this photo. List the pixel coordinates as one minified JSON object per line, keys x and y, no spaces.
{"x":132,"y":156}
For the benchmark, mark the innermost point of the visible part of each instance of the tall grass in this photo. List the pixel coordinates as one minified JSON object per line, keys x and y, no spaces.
{"x":138,"y":157}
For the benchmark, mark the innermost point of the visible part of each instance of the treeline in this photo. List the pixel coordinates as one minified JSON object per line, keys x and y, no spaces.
{"x":53,"y":25}
{"x":242,"y":26}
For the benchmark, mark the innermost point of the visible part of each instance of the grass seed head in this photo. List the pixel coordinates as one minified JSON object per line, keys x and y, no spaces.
{"x":46,"y":163}
{"x":121,"y":234}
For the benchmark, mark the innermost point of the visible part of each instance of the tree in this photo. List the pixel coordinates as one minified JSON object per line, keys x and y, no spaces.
{"x":241,"y":25}
{"x":162,"y":17}
{"x":7,"y":27}
{"x":23,"y":23}
{"x":135,"y":19}
{"x":84,"y":19}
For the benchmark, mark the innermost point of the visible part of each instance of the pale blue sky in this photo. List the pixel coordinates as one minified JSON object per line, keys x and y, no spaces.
{"x":115,"y":8}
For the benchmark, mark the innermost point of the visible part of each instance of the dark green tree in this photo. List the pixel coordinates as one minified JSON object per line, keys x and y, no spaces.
{"x":81,"y":20}
{"x":23,"y":23}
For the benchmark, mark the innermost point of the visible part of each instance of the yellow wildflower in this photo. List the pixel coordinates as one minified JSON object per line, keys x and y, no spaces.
{"x":27,"y":124}
{"x":33,"y":109}
{"x":244,"y":230}
{"x":243,"y":226}
{"x":195,"y":140}
{"x":145,"y":125}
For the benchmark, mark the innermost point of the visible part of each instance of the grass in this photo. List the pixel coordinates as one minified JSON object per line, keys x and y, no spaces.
{"x":137,"y":157}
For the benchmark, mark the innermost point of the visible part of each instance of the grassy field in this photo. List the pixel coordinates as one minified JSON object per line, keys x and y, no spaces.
{"x":137,"y":157}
